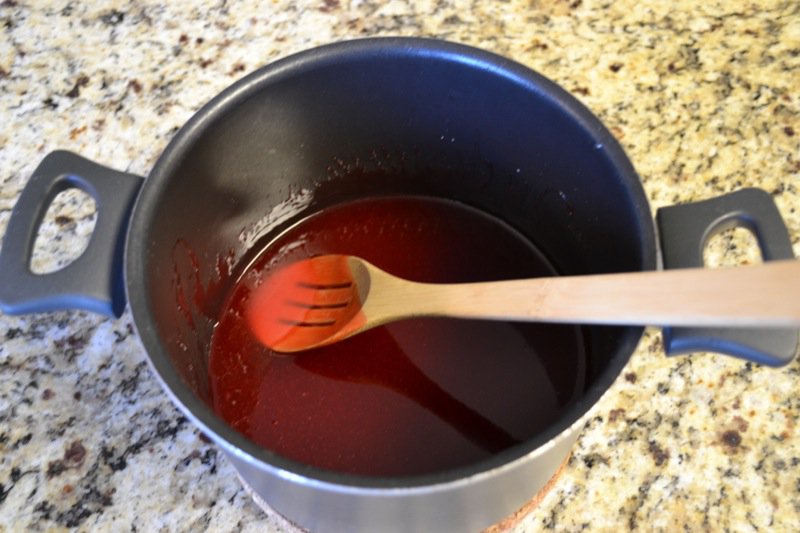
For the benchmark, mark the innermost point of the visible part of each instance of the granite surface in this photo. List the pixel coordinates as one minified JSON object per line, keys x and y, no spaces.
{"x":704,"y":97}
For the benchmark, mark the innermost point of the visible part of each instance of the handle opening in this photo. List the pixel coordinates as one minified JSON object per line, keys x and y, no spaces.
{"x":731,"y":247}
{"x":65,"y":230}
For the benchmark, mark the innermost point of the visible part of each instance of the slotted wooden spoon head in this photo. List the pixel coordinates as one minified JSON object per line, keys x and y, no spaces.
{"x":309,"y":303}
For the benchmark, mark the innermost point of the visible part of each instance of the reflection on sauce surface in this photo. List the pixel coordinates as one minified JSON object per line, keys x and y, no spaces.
{"x":412,"y":397}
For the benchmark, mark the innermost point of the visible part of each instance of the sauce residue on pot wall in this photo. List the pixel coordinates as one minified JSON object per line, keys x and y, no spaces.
{"x":412,"y":397}
{"x":198,"y":298}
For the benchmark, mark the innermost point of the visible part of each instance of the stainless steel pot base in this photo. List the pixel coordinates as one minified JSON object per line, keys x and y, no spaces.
{"x":503,"y":526}
{"x":514,"y":519}
{"x":274,"y":517}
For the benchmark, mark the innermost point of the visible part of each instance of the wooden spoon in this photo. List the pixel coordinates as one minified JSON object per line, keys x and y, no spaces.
{"x":328,"y":298}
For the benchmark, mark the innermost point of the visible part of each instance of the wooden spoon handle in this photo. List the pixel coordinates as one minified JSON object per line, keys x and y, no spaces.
{"x":759,"y":295}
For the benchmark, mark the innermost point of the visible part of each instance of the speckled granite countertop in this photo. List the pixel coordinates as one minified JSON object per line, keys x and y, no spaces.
{"x":705,"y":98}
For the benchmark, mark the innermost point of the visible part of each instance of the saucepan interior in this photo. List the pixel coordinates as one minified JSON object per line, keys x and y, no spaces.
{"x":371,"y":118}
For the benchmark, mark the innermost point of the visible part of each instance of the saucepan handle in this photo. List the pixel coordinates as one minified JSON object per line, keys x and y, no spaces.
{"x":94,"y":281}
{"x":684,"y":231}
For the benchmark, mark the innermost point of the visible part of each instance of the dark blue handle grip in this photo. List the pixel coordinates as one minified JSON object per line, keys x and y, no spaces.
{"x":95,"y":280}
{"x":684,"y":231}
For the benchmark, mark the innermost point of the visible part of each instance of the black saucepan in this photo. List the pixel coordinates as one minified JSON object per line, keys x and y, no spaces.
{"x":359,"y":119}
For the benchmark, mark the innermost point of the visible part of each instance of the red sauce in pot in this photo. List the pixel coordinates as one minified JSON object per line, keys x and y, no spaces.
{"x":412,"y":397}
